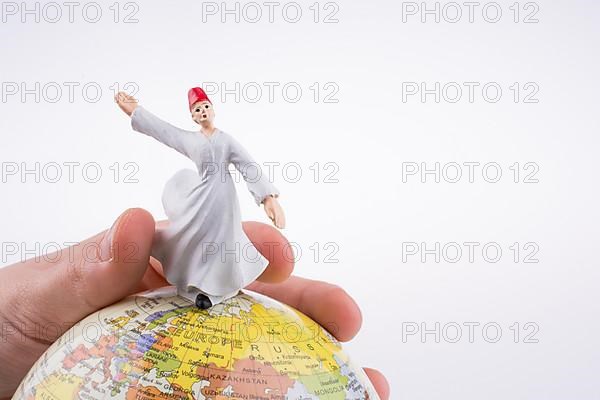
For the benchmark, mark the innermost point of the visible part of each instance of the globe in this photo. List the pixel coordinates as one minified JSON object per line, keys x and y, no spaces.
{"x":158,"y":345}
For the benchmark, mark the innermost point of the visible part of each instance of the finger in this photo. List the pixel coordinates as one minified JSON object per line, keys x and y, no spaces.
{"x":379,"y":382}
{"x":281,"y":220}
{"x":274,"y":247}
{"x":122,"y":97}
{"x":327,"y":304}
{"x":270,"y":214}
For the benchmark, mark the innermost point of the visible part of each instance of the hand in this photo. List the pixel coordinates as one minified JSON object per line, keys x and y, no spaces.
{"x":274,"y":211}
{"x":126,"y":102}
{"x":41,"y":299}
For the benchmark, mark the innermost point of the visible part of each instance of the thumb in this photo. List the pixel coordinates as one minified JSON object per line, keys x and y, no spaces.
{"x":106,"y":267}
{"x":41,"y":299}
{"x":123,"y":254}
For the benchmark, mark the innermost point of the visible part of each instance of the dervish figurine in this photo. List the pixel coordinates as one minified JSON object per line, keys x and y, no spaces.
{"x":203,"y":249}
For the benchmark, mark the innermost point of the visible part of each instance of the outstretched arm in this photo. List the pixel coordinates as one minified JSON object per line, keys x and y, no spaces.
{"x":145,"y":122}
{"x":263,"y":191}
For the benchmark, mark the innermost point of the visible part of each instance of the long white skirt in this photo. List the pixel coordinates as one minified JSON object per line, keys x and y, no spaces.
{"x":204,"y":247}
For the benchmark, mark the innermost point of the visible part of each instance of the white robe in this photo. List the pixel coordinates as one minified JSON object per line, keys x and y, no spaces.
{"x":204,"y":247}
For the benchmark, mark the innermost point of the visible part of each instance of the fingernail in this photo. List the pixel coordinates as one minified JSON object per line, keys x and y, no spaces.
{"x":106,"y":244}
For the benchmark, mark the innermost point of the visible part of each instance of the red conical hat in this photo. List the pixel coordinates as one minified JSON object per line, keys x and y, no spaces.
{"x":195,"y":95}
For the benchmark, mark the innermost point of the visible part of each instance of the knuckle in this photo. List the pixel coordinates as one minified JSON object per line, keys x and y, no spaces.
{"x":76,"y":282}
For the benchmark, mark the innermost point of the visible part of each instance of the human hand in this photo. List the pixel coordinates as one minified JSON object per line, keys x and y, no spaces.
{"x":274,"y":211}
{"x":42,"y":299}
{"x":126,"y":102}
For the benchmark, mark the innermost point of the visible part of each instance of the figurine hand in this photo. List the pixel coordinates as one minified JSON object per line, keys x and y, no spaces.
{"x":274,"y":211}
{"x":126,"y":102}
{"x":42,"y":298}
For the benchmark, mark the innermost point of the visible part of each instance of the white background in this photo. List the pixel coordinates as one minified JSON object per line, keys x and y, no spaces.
{"x":368,"y":134}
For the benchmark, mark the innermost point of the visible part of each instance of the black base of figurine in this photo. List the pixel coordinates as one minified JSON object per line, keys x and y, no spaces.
{"x":203,"y":302}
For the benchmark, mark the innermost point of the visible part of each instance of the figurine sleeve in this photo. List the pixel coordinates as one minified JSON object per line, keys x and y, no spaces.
{"x":256,"y":179}
{"x":145,"y":122}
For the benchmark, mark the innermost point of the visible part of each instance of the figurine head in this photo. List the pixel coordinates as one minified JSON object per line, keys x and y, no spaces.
{"x":203,"y":112}
{"x":200,"y":106}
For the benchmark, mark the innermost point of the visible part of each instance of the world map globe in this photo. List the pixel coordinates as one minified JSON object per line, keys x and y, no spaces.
{"x":158,"y":345}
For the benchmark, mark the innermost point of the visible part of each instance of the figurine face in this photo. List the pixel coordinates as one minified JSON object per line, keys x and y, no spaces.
{"x":203,"y":112}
